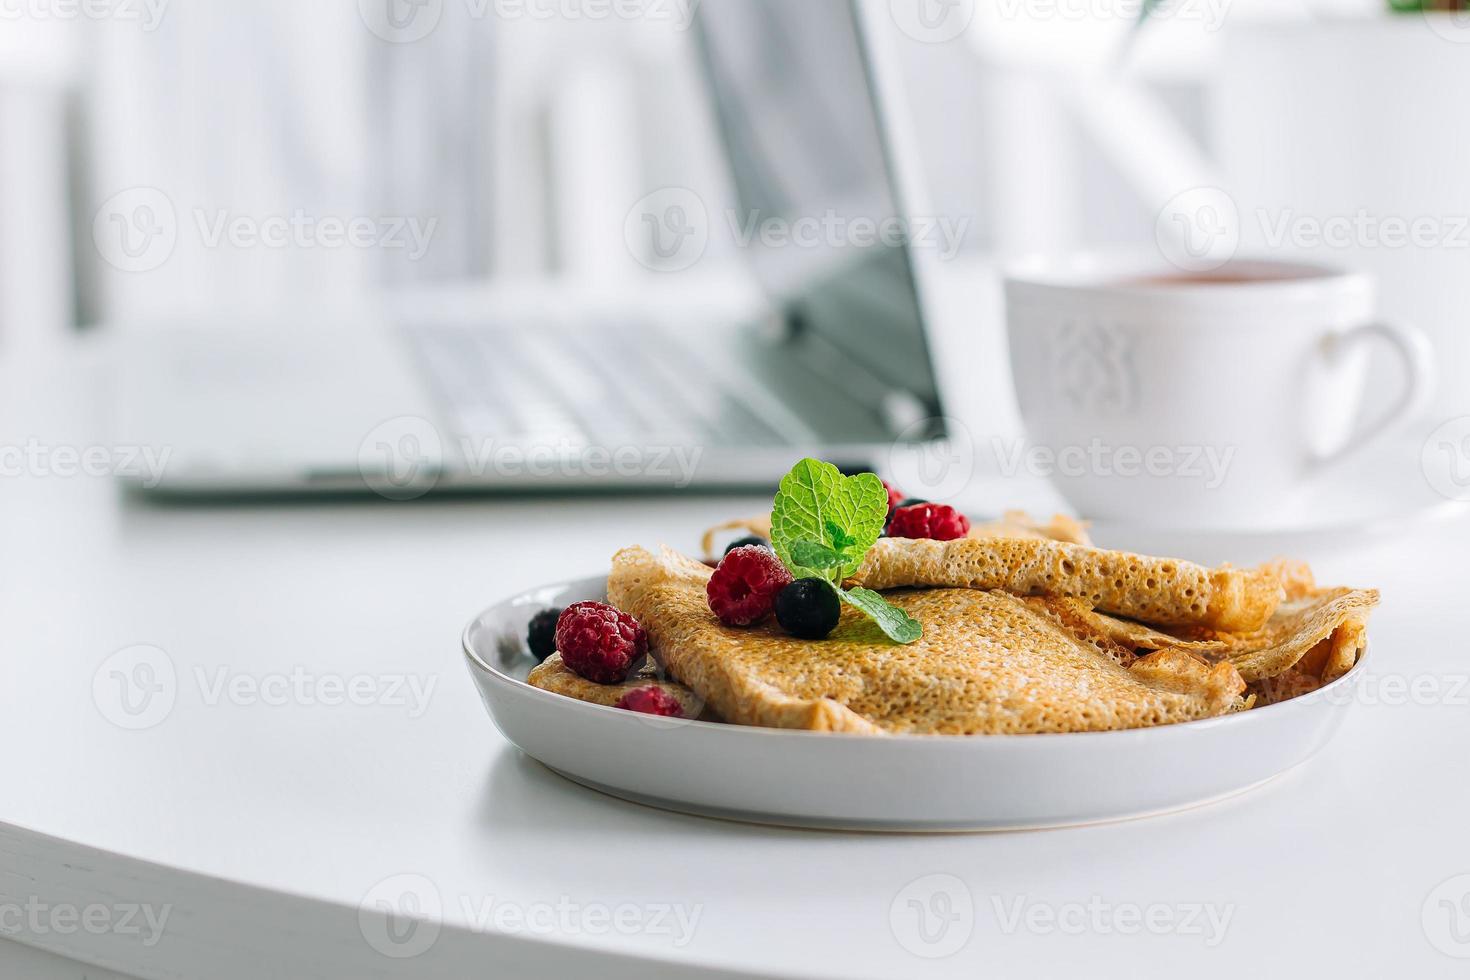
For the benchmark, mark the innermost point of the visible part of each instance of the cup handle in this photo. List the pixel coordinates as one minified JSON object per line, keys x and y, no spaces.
{"x":1414,"y":351}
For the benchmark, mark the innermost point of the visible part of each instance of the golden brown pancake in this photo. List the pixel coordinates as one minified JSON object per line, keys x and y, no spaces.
{"x":558,"y":678}
{"x":989,"y":663}
{"x":1322,"y":631}
{"x":1015,"y":524}
{"x":1166,"y":591}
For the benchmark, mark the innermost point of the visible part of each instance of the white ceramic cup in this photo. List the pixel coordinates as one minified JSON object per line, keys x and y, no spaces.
{"x":1168,"y":399}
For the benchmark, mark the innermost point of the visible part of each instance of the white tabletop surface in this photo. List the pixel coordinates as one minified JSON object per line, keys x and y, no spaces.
{"x":261,"y":828}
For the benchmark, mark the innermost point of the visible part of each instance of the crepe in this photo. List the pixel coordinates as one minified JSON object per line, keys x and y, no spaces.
{"x":989,"y":663}
{"x":1019,"y":524}
{"x":1166,"y":591}
{"x":1317,"y":633}
{"x":1015,"y":524}
{"x":557,"y":677}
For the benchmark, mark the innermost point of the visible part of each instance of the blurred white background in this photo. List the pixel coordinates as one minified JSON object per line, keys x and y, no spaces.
{"x":274,"y":157}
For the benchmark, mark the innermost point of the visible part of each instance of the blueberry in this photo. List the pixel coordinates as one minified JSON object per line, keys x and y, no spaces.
{"x":808,"y":609}
{"x":759,"y":542}
{"x":541,"y":634}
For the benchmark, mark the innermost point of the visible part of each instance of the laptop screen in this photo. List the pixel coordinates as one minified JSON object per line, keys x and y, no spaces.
{"x":818,"y":214}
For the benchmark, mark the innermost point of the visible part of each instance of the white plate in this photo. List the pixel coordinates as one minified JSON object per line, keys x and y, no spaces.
{"x":897,"y":783}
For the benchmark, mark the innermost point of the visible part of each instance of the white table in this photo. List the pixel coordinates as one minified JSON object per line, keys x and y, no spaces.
{"x":260,"y":829}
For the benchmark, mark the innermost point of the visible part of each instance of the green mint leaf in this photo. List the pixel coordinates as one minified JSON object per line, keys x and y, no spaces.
{"x":841,"y":540}
{"x":810,"y":554}
{"x":817,"y":503}
{"x":895,"y":623}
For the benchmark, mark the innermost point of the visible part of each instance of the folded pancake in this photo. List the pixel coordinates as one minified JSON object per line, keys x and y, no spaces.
{"x":1019,"y":524}
{"x":1015,"y":524}
{"x":1166,"y":591}
{"x":1316,"y":634}
{"x":557,"y":677}
{"x":988,"y":663}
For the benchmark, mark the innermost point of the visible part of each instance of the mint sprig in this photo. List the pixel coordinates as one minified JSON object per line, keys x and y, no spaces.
{"x":822,"y":526}
{"x":899,"y":626}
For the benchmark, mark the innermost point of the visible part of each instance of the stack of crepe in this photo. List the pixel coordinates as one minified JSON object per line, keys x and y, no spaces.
{"x":1028,"y":628}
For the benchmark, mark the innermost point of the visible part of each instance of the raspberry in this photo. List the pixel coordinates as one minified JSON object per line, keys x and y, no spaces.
{"x":600,"y":643}
{"x":937,"y":521}
{"x":744,"y":587}
{"x":651,"y":701}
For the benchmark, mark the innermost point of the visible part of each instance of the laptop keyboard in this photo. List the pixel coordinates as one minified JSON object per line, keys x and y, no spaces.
{"x":547,"y":385}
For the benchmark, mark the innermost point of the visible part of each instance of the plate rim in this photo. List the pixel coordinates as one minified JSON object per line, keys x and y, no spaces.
{"x":1236,"y":719}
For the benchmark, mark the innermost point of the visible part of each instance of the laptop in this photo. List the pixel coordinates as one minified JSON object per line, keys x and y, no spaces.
{"x":834,"y":364}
